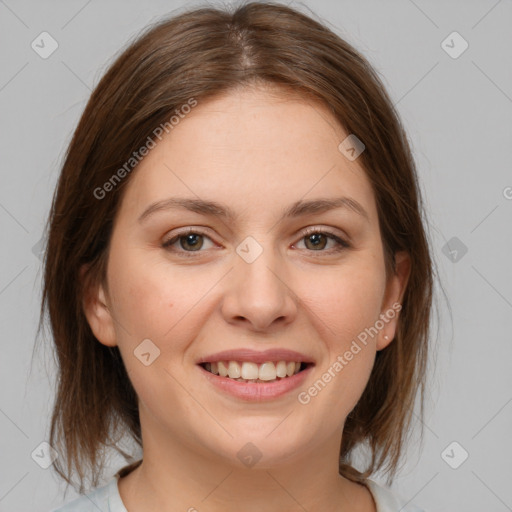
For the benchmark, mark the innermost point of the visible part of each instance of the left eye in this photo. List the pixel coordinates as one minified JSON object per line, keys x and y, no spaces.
{"x":192,"y":241}
{"x":319,"y":239}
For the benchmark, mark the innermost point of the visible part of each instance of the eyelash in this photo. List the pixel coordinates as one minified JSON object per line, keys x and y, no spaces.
{"x":342,"y":244}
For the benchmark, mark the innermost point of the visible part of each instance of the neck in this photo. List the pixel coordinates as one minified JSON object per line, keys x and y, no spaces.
{"x":174,"y":476}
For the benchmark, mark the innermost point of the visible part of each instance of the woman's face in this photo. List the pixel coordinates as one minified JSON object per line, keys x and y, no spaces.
{"x":248,"y":279}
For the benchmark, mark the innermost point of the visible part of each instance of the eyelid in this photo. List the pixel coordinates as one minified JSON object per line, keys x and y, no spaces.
{"x":185,"y":231}
{"x":329,"y":230}
{"x":342,"y":240}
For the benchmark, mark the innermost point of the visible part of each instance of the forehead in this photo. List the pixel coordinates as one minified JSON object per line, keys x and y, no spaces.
{"x":251,"y":149}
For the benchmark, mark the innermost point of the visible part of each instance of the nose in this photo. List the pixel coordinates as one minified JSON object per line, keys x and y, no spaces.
{"x":259,"y":294}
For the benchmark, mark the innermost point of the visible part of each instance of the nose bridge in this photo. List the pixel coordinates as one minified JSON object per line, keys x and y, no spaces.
{"x":261,"y":275}
{"x":259,"y":292}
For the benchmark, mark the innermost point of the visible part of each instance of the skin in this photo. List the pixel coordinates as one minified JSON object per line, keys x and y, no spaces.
{"x":258,"y":151}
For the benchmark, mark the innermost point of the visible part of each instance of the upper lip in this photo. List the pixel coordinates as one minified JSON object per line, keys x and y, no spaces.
{"x":255,"y":356}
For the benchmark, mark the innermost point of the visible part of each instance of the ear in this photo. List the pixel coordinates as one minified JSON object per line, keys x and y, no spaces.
{"x":392,"y":303}
{"x":99,"y":317}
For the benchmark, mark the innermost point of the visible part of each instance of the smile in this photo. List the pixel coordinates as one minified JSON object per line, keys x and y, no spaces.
{"x":271,"y":387}
{"x":248,"y":371}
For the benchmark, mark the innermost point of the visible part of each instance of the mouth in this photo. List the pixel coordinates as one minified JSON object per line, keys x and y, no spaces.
{"x":251,"y":372}
{"x":256,"y":376}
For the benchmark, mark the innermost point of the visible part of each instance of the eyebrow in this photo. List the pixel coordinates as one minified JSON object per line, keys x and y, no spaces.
{"x":214,"y":209}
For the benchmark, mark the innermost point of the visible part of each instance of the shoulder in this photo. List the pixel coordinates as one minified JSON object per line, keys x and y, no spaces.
{"x":388,"y":501}
{"x":101,"y":499}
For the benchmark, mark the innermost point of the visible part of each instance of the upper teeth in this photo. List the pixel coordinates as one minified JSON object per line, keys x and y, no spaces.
{"x":252,"y":371}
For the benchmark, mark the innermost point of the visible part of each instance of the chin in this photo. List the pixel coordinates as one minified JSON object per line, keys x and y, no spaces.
{"x":262,"y":448}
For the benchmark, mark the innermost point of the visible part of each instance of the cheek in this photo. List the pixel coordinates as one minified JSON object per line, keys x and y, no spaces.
{"x":162,"y":303}
{"x":155,"y":303}
{"x":343,"y":315}
{"x":150,"y":297}
{"x":344,"y":301}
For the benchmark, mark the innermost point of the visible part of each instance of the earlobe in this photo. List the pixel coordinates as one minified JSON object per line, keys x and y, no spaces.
{"x":395,"y":290}
{"x":98,"y":315}
{"x":384,"y":339}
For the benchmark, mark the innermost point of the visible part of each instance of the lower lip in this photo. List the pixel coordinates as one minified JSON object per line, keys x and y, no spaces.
{"x":254,"y":391}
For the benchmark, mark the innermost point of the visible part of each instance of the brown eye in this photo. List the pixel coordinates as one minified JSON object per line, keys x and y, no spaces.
{"x":186,"y":242}
{"x":316,"y":240}
{"x":192,"y":241}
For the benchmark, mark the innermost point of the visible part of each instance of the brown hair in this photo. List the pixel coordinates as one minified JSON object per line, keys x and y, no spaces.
{"x":200,"y":54}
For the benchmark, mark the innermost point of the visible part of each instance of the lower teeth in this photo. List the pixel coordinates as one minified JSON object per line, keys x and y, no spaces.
{"x":258,"y":381}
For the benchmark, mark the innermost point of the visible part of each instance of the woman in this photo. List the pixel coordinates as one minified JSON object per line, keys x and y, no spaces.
{"x":237,"y":272}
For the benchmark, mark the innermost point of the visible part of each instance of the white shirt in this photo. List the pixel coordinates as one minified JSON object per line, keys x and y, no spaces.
{"x":108,"y":499}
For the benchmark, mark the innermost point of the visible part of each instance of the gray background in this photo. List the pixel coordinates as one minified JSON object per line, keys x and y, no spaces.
{"x":457,"y":112}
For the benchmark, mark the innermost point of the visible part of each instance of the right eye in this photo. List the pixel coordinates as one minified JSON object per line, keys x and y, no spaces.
{"x":190,"y":240}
